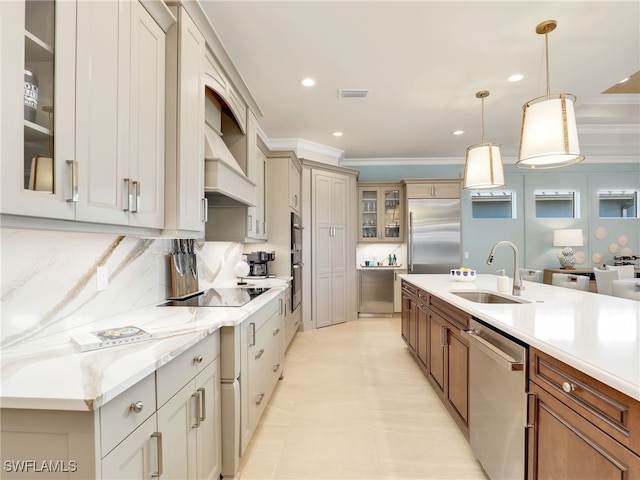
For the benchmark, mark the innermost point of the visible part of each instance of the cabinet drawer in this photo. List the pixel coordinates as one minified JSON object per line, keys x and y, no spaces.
{"x":261,"y":385}
{"x":409,"y":289}
{"x":123,"y":414}
{"x":267,"y":340}
{"x":174,"y":375}
{"x":610,"y":410}
{"x":452,"y":314}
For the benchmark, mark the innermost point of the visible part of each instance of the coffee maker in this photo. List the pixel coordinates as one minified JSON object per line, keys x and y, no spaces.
{"x":258,"y":263}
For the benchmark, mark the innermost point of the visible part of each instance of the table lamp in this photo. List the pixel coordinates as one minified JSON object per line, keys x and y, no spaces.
{"x":567,"y":238}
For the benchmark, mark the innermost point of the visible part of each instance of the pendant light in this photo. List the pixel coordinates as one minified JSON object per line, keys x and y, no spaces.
{"x":483,"y":167}
{"x":549,"y":136}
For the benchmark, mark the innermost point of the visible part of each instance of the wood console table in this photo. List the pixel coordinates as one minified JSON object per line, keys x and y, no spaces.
{"x":548,"y":272}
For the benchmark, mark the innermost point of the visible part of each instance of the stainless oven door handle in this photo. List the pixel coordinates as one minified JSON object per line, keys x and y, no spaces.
{"x":502,"y":358}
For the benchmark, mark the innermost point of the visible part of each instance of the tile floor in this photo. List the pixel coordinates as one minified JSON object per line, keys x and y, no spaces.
{"x":353,"y":404}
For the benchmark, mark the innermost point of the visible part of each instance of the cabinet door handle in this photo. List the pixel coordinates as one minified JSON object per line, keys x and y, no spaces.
{"x":276,"y":332}
{"x":276,"y":367}
{"x":196,"y":396}
{"x":198,"y":359}
{"x":260,"y":398}
{"x":127,"y":198}
{"x":205,"y":209}
{"x":259,"y":354}
{"x":568,"y":387}
{"x":158,"y":437}
{"x":136,"y":407}
{"x":443,"y":336}
{"x":203,"y":404}
{"x":136,"y":197}
{"x":252,"y":342}
{"x":250,"y":223}
{"x":74,"y":181}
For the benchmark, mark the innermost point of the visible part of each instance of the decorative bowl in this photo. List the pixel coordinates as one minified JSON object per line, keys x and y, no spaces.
{"x":463,"y":275}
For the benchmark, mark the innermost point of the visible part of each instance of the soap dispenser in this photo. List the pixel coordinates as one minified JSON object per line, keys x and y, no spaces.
{"x":503,"y":281}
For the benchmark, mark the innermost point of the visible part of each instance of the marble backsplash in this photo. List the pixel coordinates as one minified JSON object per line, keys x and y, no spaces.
{"x":48,"y":282}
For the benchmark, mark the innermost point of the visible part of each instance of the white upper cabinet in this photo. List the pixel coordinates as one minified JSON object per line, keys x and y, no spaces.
{"x":92,"y":149}
{"x":185,"y":203}
{"x":37,"y":140}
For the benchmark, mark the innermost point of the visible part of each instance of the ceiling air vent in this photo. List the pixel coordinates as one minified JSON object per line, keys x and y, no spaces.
{"x":354,"y":93}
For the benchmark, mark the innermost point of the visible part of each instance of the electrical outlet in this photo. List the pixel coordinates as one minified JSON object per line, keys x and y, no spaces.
{"x":466,"y":254}
{"x":102,"y":278}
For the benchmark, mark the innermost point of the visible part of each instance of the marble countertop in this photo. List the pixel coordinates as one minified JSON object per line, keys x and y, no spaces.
{"x":597,"y":334}
{"x":52,"y":374}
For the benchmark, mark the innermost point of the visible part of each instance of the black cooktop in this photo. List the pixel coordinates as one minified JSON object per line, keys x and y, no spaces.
{"x":217,"y":297}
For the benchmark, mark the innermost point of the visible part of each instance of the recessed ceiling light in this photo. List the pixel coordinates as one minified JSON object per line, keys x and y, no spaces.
{"x":458,"y":132}
{"x":308,"y":82}
{"x":516,"y":77}
{"x":337,"y":134}
{"x":624,"y":80}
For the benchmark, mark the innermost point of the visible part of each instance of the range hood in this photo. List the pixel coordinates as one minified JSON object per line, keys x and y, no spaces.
{"x":225,"y":184}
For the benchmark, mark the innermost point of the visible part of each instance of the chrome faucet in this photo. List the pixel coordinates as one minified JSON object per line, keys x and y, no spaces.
{"x":517,"y":280}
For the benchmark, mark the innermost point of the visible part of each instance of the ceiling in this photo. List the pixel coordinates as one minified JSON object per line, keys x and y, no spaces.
{"x":423,"y":62}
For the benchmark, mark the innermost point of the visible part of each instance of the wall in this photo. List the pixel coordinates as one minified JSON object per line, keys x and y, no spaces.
{"x":49,"y":278}
{"x":603,"y":237}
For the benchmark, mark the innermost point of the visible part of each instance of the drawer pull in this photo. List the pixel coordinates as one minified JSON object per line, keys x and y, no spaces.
{"x":276,"y":367}
{"x":136,"y":407}
{"x":568,"y":387}
{"x":276,"y":331}
{"x":260,"y":353}
{"x":198,"y":359}
{"x":260,"y":398}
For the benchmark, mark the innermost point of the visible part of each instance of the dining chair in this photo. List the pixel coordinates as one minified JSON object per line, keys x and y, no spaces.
{"x":566,"y":280}
{"x":624,"y":271}
{"x":604,"y":279}
{"x":531,"y":275}
{"x":626,"y":289}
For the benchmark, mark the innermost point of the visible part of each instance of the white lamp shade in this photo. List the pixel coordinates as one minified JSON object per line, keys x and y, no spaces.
{"x":549,"y":136}
{"x":483,"y":167}
{"x":571,"y":237}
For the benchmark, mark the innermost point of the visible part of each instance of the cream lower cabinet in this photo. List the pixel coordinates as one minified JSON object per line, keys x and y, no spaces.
{"x":168,"y":425}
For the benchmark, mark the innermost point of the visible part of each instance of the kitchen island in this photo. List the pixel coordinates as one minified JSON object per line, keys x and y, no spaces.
{"x":596,"y":334}
{"x":571,"y":401}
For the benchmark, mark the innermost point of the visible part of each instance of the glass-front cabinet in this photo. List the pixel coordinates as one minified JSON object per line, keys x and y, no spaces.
{"x":37,"y":107}
{"x":380,"y":212}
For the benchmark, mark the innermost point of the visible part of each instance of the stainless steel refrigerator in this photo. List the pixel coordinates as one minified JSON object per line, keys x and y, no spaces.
{"x":433,"y":235}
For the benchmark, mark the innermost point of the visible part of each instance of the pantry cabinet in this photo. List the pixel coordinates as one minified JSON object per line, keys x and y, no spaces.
{"x":380,"y":213}
{"x":330,"y":248}
{"x":93,"y":150}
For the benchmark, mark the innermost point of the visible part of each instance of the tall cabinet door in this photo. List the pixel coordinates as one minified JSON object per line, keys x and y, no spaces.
{"x":38,"y":37}
{"x":147,"y":118}
{"x":102,"y":110}
{"x":209,"y":441}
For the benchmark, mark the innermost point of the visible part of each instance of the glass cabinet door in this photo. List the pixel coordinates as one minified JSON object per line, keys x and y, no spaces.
{"x":369,"y":213}
{"x":39,"y":47}
{"x":392,"y":213}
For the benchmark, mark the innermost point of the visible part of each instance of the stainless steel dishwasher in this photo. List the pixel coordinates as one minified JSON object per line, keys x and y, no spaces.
{"x":375,"y":292}
{"x":497,"y":401}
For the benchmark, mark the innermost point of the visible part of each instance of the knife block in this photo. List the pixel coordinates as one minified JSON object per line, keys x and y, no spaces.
{"x":184,"y":274}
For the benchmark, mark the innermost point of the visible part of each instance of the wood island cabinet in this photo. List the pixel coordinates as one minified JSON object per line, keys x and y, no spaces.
{"x":580,"y":427}
{"x":431,"y":328}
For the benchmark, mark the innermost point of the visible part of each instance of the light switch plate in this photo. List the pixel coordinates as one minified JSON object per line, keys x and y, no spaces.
{"x":102,"y":278}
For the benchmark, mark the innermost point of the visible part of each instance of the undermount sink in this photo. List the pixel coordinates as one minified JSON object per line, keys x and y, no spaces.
{"x":488,"y":297}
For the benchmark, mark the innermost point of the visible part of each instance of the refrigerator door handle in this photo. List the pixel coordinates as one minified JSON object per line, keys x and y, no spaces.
{"x":410,"y":250}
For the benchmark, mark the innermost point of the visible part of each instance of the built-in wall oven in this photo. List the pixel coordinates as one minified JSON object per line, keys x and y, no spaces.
{"x":296,"y":261}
